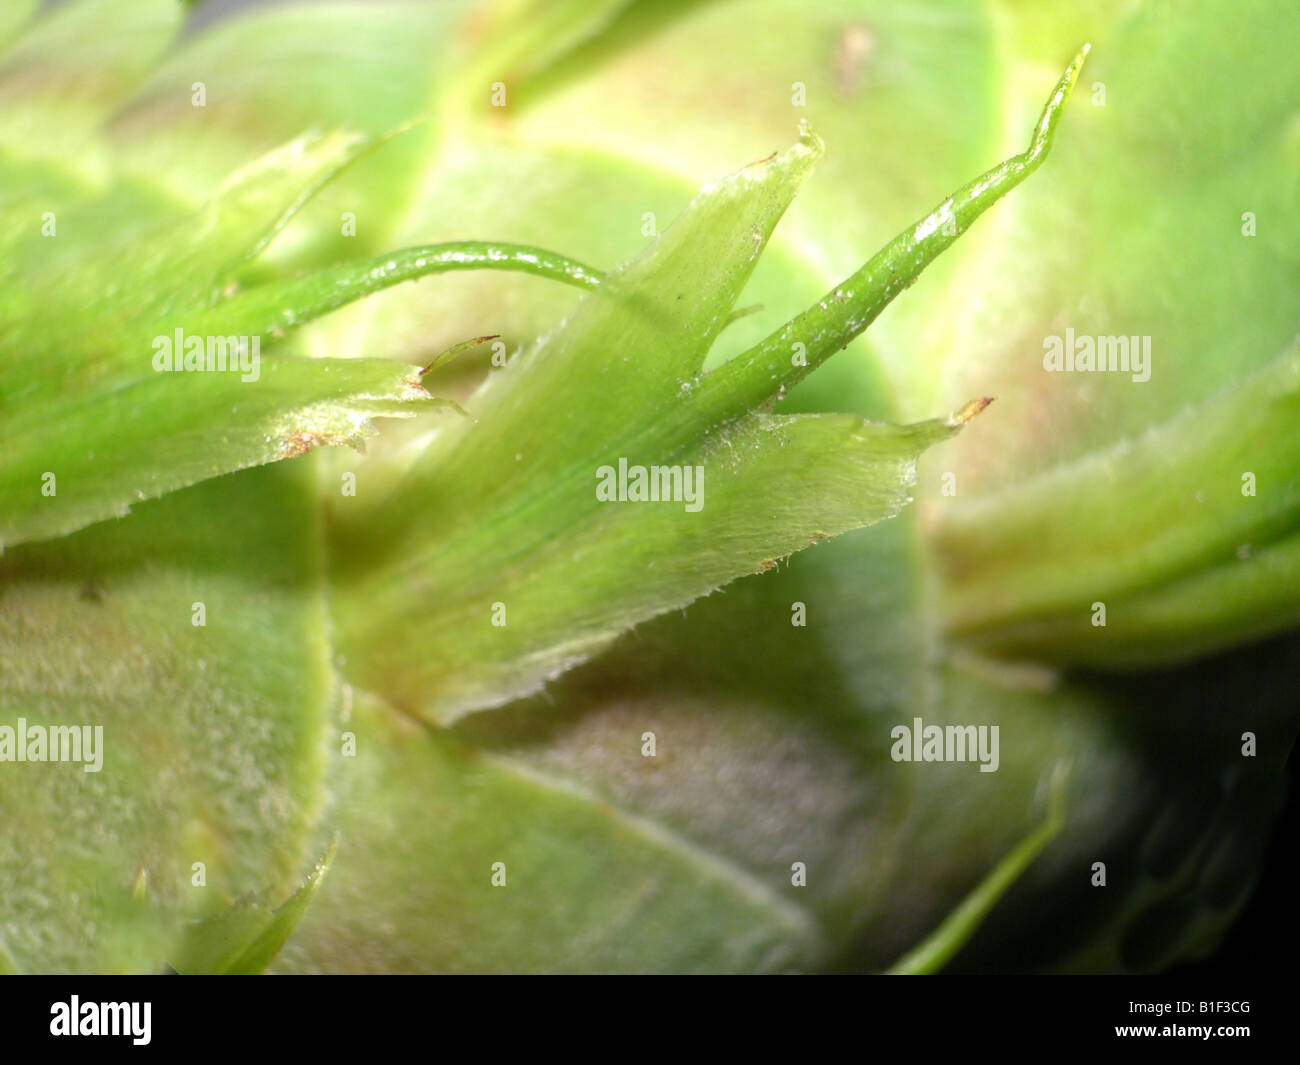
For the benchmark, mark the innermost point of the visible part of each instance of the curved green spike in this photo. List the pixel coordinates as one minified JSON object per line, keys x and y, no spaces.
{"x":851,"y":306}
{"x":288,"y":304}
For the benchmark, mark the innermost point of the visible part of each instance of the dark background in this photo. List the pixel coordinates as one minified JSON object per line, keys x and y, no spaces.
{"x":1261,"y":939}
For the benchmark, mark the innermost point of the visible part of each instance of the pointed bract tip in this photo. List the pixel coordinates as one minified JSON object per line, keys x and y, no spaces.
{"x":969,"y":411}
{"x":1076,"y":64}
{"x":809,"y":140}
{"x":452,"y":352}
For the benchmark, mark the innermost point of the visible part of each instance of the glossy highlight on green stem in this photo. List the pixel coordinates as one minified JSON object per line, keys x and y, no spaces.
{"x":286,"y":305}
{"x":851,"y":306}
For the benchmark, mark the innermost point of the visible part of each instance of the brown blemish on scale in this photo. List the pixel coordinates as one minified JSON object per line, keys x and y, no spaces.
{"x":767,"y":565}
{"x":300,"y":441}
